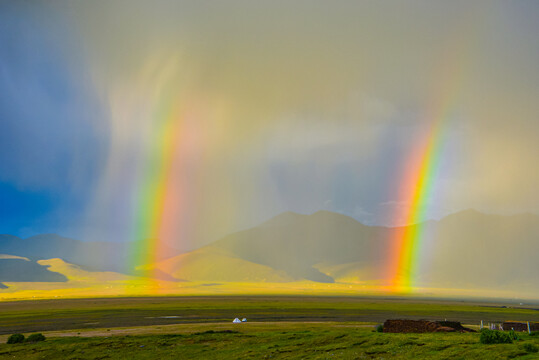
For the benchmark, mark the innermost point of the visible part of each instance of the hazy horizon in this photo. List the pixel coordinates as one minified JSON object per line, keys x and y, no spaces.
{"x":292,"y":212}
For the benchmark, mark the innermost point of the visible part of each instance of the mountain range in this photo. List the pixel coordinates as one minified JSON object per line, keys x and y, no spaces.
{"x":91,"y":255}
{"x":466,"y":249}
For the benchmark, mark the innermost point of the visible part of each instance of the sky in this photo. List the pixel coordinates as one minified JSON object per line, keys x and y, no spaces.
{"x":198,"y":118}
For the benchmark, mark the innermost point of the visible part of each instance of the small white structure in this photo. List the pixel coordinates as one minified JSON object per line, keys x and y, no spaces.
{"x":244,"y":320}
{"x":236,"y":321}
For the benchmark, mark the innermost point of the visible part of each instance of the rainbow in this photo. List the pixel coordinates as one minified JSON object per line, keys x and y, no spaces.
{"x":417,"y":190}
{"x":156,"y":206}
{"x":161,"y":124}
{"x":153,"y":218}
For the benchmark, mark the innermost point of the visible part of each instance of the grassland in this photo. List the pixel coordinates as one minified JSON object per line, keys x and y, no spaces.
{"x":47,"y":315}
{"x":278,"y":327}
{"x":269,"y":341}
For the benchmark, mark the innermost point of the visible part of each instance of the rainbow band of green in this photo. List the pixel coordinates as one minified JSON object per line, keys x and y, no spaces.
{"x":420,"y":182}
{"x":417,"y":189}
{"x":154,"y":187}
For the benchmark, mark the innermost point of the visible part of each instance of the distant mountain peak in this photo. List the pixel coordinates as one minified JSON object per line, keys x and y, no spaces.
{"x":469,"y":211}
{"x":324,"y":216}
{"x":464,"y":214}
{"x":49,"y":236}
{"x":8,"y":237}
{"x":330,"y":214}
{"x":283,"y":219}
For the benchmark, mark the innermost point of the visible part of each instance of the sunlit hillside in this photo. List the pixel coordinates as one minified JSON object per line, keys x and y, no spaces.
{"x":215,"y":264}
{"x":323,"y":252}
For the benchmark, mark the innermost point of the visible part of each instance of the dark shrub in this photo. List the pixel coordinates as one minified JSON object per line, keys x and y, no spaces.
{"x":513,"y":335}
{"x":530,"y":348}
{"x":379,"y":328}
{"x":15,"y":338}
{"x":36,"y":337}
{"x":494,"y":337}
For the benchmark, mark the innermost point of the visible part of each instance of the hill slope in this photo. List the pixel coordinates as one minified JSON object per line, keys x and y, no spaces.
{"x":465,"y":249}
{"x":19,"y":269}
{"x":213,"y":264}
{"x":475,"y":249}
{"x":76,"y":273}
{"x":296,"y":243}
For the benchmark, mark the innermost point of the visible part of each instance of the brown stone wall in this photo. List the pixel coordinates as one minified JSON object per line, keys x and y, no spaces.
{"x":422,"y":326}
{"x":409,"y":326}
{"x":520,"y":326}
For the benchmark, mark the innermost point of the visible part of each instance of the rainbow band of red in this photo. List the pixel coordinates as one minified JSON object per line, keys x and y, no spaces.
{"x":417,"y":189}
{"x":157,"y":199}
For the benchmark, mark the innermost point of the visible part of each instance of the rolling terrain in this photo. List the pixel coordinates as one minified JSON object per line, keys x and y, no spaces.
{"x":328,"y":247}
{"x":20,"y":269}
{"x":323,"y":248}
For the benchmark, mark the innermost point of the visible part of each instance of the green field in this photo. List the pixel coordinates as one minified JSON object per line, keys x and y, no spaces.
{"x":278,"y":328}
{"x":272,"y":341}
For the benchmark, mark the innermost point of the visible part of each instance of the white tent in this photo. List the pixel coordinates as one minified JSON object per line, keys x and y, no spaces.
{"x":244,"y":320}
{"x":236,"y":321}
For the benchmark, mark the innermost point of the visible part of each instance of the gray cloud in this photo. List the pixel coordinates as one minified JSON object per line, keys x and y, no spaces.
{"x":310,"y":100}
